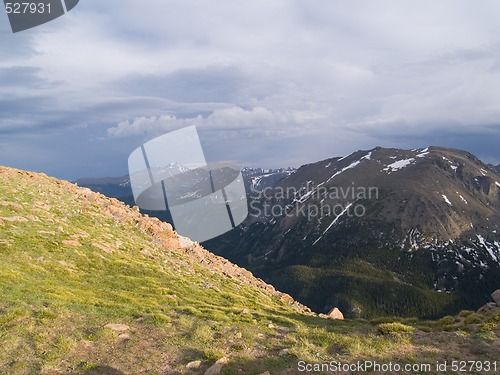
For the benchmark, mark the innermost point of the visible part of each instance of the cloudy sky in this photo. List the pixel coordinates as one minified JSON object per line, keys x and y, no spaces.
{"x":268,"y":83}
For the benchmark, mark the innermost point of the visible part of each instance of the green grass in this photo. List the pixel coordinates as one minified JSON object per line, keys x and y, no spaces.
{"x":394,"y":328}
{"x":56,"y":298}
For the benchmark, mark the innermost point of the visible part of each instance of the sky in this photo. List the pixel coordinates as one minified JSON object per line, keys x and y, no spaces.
{"x":267,"y":83}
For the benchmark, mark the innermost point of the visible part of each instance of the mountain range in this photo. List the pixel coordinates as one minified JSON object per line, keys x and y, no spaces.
{"x":378,"y":232}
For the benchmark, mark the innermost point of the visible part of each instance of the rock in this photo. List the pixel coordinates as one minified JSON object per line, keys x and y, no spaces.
{"x":216,"y":368}
{"x":287,"y":298}
{"x":185,"y":243}
{"x":117,"y":327}
{"x":266,"y":373}
{"x":124,"y":336}
{"x":335,"y":313}
{"x":489,"y":306}
{"x":496,"y":297}
{"x":194,"y":364}
{"x":270,"y":326}
{"x":238,"y":335}
{"x":283,"y":352}
{"x":245,"y":311}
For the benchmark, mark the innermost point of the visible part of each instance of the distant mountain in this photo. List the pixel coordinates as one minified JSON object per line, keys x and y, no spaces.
{"x":255,"y":179}
{"x":379,"y":232}
{"x":260,"y":179}
{"x":113,"y":187}
{"x":119,"y":187}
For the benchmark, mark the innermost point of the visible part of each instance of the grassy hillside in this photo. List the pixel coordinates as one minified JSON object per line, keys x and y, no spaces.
{"x":90,"y":286}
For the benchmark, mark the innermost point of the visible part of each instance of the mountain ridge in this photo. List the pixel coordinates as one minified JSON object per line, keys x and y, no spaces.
{"x":433,"y":224}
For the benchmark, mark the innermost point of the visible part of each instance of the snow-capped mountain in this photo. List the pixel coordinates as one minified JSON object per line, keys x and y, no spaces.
{"x":256,"y":179}
{"x":260,"y":179}
{"x":384,"y":231}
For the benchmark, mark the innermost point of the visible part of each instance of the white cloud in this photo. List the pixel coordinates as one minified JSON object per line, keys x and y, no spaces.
{"x":255,"y":122}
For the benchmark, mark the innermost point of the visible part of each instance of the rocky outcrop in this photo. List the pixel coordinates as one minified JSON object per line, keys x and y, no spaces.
{"x":335,"y":313}
{"x":487,"y":307}
{"x":496,"y":297}
{"x":216,"y":368}
{"x":491,"y":305}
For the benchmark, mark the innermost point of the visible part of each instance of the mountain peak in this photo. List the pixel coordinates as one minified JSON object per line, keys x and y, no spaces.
{"x":430,"y":216}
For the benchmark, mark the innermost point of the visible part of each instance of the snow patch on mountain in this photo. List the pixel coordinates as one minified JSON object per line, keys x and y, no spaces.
{"x":462,"y":198}
{"x":423,"y":153}
{"x":333,"y":222}
{"x":446,"y":199}
{"x":304,"y":197}
{"x":489,"y":248}
{"x":350,"y":166}
{"x":344,"y":157}
{"x":446,"y":159}
{"x":257,"y":180}
{"x":400,"y":164}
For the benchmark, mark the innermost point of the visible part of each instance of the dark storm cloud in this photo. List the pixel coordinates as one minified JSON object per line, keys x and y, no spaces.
{"x":210,"y":84}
